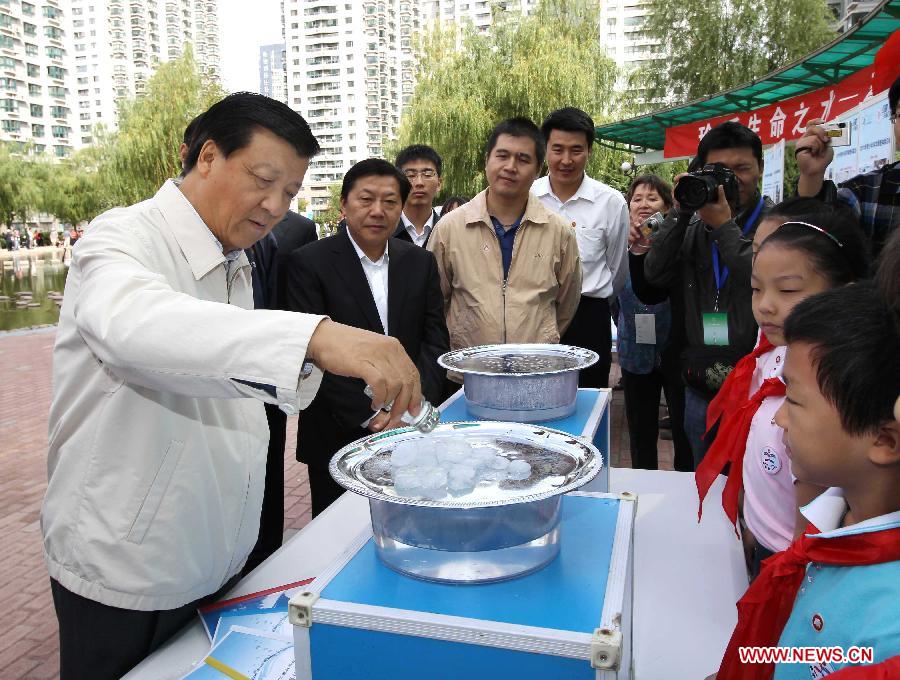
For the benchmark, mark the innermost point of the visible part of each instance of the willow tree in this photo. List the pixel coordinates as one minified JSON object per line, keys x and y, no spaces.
{"x":19,"y":185}
{"x":524,"y":66}
{"x":143,"y":153}
{"x":714,"y":46}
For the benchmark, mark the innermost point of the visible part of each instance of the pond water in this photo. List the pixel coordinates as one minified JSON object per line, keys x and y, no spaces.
{"x":35,"y":273}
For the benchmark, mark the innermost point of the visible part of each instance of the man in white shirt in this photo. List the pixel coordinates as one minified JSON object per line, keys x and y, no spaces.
{"x":599,"y":215}
{"x":422,"y":167}
{"x":364,"y":278}
{"x":158,"y":436}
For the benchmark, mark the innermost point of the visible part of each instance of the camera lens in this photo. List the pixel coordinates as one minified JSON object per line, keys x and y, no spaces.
{"x":693,"y":192}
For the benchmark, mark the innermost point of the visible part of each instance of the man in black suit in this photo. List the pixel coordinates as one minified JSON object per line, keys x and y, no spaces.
{"x":294,"y":231}
{"x":422,"y":166}
{"x":269,"y":259}
{"x":365,"y":278}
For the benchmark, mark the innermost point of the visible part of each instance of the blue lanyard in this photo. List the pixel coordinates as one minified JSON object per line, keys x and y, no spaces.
{"x":722,"y":276}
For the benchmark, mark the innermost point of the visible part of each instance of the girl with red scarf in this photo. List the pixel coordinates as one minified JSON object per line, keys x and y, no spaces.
{"x":794,"y":258}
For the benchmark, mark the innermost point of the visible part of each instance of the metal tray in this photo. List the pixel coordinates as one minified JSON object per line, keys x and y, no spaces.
{"x":559,"y":462}
{"x":518,"y":359}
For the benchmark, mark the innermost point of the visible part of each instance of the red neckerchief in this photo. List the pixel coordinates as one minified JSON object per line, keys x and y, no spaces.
{"x":736,"y":388}
{"x":889,"y":669}
{"x":729,"y":447}
{"x":765,"y":608}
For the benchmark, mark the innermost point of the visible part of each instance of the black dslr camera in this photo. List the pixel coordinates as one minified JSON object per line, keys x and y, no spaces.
{"x":696,"y":189}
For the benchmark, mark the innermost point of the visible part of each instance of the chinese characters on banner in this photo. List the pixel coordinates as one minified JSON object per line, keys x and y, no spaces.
{"x":773,"y":172}
{"x":784,"y":121}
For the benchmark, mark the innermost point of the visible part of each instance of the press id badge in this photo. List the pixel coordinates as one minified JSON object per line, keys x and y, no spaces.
{"x":645,"y":329}
{"x":715,"y":328}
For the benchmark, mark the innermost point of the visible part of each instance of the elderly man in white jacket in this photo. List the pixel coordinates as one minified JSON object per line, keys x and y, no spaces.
{"x":161,"y":367}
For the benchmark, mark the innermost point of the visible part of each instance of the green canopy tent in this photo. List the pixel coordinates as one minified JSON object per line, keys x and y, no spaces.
{"x":852,"y":51}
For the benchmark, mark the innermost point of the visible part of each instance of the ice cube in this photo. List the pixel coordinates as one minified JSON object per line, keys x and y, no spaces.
{"x":426,"y":459}
{"x":518,"y":470}
{"x":499,"y":463}
{"x":457,"y":449}
{"x":494,"y":475}
{"x":462,"y":472}
{"x":406,"y":483}
{"x":433,"y":478}
{"x":459,"y":486}
{"x":404,"y":453}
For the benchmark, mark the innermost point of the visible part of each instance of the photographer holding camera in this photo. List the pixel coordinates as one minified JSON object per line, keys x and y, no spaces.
{"x":704,"y":247}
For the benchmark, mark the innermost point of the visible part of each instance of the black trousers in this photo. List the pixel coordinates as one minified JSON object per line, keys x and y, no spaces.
{"x":322,"y":488}
{"x":99,"y":642}
{"x":271,"y":520}
{"x":590,"y":329}
{"x":642,"y":393}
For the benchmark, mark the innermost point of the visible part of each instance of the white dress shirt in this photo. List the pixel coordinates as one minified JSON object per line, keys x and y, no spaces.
{"x":417,"y":238}
{"x":599,"y":215}
{"x":377,"y":276}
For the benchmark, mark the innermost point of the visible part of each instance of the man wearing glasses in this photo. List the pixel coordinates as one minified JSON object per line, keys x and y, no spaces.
{"x":422,"y":166}
{"x":875,"y":193}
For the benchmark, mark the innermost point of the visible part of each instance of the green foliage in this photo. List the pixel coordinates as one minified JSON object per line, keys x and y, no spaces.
{"x":714,"y":46}
{"x":525,"y":66}
{"x":19,"y":191}
{"x":144,"y":152}
{"x":124,"y":167}
{"x":333,"y":214}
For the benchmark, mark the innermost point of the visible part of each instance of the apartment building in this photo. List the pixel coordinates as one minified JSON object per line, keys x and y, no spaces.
{"x":35,"y":80}
{"x":272,"y":74}
{"x":116,"y":46}
{"x":350,"y":70}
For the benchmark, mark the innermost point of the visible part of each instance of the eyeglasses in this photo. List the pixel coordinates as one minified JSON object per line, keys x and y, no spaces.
{"x":818,"y":229}
{"x":427,"y":173}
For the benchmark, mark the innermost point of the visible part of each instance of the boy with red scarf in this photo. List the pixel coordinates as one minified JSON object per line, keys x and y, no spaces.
{"x":839,"y":583}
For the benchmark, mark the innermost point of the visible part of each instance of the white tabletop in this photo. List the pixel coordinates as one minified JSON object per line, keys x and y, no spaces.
{"x":688,"y":577}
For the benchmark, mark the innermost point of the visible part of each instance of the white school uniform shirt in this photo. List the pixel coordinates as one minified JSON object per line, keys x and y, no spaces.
{"x":417,"y":238}
{"x":769,"y":500}
{"x":599,"y":215}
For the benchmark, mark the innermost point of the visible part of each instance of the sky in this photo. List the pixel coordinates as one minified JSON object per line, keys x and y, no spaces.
{"x":245,"y":26}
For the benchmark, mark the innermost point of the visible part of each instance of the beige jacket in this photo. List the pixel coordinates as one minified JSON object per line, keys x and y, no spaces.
{"x":158,"y":437}
{"x":539,"y":298}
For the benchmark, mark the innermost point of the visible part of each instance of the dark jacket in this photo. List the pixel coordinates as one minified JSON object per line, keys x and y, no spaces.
{"x":294,"y":231}
{"x":681,"y":256}
{"x":403,"y":235}
{"x":327,"y":277}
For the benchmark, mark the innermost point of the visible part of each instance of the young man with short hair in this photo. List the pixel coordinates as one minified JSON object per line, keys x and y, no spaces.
{"x":422,"y":167}
{"x":599,"y":216}
{"x":510,"y":271}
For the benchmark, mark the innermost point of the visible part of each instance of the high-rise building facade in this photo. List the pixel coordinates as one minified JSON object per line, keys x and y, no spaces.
{"x":620,"y":30}
{"x":35,"y":79}
{"x":117,"y":45}
{"x":350,"y":70}
{"x":272,"y":75}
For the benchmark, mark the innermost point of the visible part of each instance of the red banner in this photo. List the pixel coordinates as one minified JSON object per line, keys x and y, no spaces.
{"x":785,"y":120}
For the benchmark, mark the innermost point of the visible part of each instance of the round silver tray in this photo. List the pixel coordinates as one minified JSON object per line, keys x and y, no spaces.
{"x":518,"y":359}
{"x":522,"y":383}
{"x":559,"y":463}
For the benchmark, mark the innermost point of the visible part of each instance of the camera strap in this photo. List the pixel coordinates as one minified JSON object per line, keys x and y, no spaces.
{"x":721,"y":274}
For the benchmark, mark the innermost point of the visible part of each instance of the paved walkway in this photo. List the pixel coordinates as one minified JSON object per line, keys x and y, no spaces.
{"x":28,"y":635}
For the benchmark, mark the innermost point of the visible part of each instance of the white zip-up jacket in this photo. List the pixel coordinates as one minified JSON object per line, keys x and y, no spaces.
{"x":158,"y":434}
